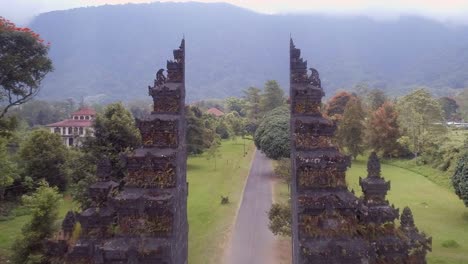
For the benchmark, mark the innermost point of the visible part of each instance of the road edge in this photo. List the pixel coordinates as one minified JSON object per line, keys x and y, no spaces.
{"x":231,"y":227}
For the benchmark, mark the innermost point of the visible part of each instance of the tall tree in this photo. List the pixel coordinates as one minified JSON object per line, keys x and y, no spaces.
{"x":351,"y":128}
{"x":336,"y":105}
{"x":114,"y":133}
{"x":460,"y":179}
{"x":43,"y":156}
{"x":199,"y":137}
{"x":213,"y":151}
{"x":421,"y":120}
{"x":29,"y":246}
{"x":272,"y":97}
{"x":383,"y":131}
{"x":253,"y":97}
{"x":449,"y":108}
{"x":23,"y":64}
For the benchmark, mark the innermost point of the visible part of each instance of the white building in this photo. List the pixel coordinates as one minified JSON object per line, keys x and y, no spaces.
{"x":74,"y":129}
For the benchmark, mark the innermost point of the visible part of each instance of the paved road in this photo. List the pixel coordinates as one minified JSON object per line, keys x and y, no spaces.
{"x":252,"y":242}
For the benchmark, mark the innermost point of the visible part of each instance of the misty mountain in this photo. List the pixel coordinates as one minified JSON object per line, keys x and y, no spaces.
{"x":114,"y":51}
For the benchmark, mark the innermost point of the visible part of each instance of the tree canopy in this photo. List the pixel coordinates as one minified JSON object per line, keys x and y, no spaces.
{"x":114,"y":133}
{"x":272,"y":97}
{"x":337,"y":104}
{"x":383,"y":131}
{"x":272,"y":135}
{"x":43,"y":156}
{"x":422,"y":121}
{"x":23,"y":64}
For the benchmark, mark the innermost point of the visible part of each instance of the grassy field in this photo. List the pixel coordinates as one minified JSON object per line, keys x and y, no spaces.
{"x":437,"y":210}
{"x":209,"y":221}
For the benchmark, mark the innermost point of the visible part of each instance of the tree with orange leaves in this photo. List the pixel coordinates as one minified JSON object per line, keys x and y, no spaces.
{"x":23,"y":64}
{"x":336,"y":105}
{"x":383,"y":131}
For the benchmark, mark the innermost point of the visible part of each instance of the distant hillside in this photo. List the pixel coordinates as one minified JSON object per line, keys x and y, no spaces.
{"x":116,"y":50}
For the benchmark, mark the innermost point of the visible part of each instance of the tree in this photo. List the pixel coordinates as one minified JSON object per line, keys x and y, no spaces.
{"x":42,"y":156}
{"x":337,"y":104}
{"x":375,"y":98}
{"x":236,"y":123}
{"x":460,"y":179}
{"x":214,"y":152}
{"x":383,"y":131}
{"x":272,"y":97}
{"x":252,"y":96}
{"x":351,"y":128}
{"x":114,"y":133}
{"x":280,"y":219}
{"x":199,"y":136}
{"x":222,"y":129}
{"x":8,"y":170}
{"x":80,"y":169}
{"x":272,"y":135}
{"x":283,"y":170}
{"x":238,"y":105}
{"x":23,"y":64}
{"x":29,"y":246}
{"x":421,"y":121}
{"x":449,"y":108}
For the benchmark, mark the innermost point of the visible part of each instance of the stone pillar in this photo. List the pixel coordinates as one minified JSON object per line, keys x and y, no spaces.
{"x":324,"y":221}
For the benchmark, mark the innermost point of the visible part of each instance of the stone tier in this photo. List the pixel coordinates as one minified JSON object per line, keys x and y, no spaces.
{"x":327,"y":251}
{"x":152,"y":168}
{"x":160,"y":131}
{"x":167,"y":98}
{"x":121,"y":250}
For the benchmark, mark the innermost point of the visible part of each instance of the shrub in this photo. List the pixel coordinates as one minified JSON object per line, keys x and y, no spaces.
{"x":450,"y":244}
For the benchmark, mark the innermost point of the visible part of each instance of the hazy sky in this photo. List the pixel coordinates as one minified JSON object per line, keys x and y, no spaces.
{"x":22,"y":11}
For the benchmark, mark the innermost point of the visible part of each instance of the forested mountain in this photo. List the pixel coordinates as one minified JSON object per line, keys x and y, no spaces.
{"x":114,"y":51}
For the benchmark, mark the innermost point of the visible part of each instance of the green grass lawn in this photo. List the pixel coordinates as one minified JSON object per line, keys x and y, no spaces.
{"x":437,"y":210}
{"x":210,"y":222}
{"x":10,"y":229}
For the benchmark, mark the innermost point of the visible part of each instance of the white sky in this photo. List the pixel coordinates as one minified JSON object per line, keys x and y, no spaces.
{"x":21,"y":11}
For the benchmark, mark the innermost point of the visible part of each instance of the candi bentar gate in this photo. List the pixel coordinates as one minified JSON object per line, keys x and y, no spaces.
{"x":143,"y":219}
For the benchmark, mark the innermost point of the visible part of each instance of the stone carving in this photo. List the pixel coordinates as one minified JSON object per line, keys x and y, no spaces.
{"x":160,"y":78}
{"x":314,"y":78}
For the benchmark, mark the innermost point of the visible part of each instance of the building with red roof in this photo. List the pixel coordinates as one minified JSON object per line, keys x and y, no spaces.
{"x":77,"y":127}
{"x":215,"y":111}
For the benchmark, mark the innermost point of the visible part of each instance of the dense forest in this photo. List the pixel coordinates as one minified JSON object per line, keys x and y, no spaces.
{"x":106,"y":53}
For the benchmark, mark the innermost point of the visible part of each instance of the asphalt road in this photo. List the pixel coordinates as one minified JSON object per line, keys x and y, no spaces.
{"x":252,"y":242}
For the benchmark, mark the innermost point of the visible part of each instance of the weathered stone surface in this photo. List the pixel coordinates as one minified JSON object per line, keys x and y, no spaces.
{"x":144,"y":218}
{"x":330,"y":224}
